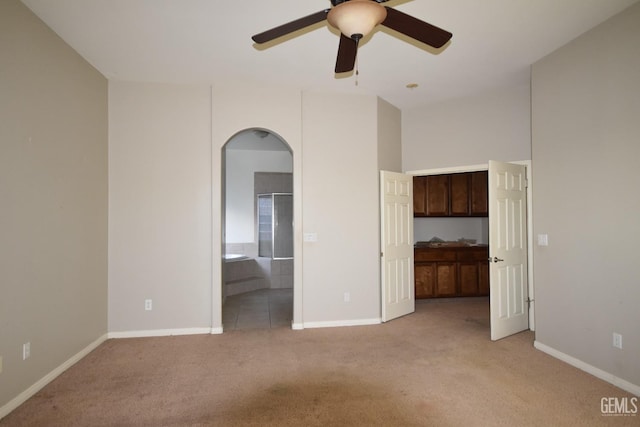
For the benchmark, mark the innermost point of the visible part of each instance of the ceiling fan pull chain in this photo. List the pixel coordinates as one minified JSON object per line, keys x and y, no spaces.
{"x":357,"y":71}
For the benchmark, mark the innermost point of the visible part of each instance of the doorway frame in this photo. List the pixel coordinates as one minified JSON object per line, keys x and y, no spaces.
{"x":217,"y":235}
{"x":485,"y":167}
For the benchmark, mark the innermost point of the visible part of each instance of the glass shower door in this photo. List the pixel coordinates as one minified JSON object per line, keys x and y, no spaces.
{"x":275,"y":225}
{"x":282,"y":226}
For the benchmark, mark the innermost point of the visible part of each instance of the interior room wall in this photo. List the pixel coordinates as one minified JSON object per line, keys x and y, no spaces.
{"x":241,"y":166}
{"x":53,"y":209}
{"x":159,"y":207}
{"x":341,"y":206}
{"x":451,"y":229}
{"x":389,"y":137}
{"x":493,"y":125}
{"x":586,"y":133}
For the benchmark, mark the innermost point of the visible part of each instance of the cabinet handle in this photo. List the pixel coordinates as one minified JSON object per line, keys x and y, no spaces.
{"x":495,"y":259}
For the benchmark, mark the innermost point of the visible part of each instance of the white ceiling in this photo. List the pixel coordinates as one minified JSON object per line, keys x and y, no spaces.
{"x":204,"y":41}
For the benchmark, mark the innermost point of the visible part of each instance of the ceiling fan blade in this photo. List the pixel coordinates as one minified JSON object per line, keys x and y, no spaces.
{"x":415,"y":28}
{"x":347,"y":51}
{"x":290,"y":27}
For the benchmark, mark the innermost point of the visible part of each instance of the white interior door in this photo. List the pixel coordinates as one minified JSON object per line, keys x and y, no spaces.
{"x":508,"y":249}
{"x":396,"y":211}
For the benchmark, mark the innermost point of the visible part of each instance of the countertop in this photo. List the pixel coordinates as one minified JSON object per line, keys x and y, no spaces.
{"x":449,"y":245}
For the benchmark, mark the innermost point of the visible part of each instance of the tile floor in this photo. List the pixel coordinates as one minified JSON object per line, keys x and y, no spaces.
{"x":261,"y":309}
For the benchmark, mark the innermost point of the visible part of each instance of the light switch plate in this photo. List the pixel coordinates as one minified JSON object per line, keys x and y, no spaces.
{"x":543,"y":240}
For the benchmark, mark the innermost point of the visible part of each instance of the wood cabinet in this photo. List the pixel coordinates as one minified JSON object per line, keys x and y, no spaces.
{"x":451,"y":271}
{"x":431,"y":195}
{"x":473,"y":265}
{"x":459,"y":191}
{"x":479,"y":193}
{"x":458,"y":194}
{"x":419,"y":196}
{"x":425,"y":279}
{"x":437,"y":192}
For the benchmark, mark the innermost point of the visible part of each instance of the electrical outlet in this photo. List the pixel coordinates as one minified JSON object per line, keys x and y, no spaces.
{"x":617,"y":340}
{"x":148,"y":304}
{"x":26,"y":350}
{"x":347,"y":297}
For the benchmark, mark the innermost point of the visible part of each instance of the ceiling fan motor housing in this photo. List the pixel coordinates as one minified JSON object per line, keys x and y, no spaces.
{"x":356,"y":18}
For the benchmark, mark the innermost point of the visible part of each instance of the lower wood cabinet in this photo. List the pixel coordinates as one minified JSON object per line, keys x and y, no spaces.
{"x":451,"y":272}
{"x":425,"y":279}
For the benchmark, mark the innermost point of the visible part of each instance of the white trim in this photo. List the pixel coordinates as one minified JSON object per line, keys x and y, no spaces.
{"x":596,"y":372}
{"x":338,"y":323}
{"x":215,"y":331}
{"x":297,"y":326}
{"x":532,"y":292}
{"x":452,"y":169}
{"x":28,"y":393}
{"x":161,"y":332}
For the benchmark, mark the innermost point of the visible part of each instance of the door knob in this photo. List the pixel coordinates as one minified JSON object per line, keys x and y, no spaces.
{"x":495,"y":259}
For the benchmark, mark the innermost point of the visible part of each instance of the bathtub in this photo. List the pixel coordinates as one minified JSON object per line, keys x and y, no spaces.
{"x":234,"y":257}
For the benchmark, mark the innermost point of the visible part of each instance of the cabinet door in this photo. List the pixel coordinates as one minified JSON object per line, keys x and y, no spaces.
{"x":446,"y":279}
{"x":437,"y":195}
{"x":479,"y":198}
{"x":459,"y":191}
{"x":419,"y":196}
{"x":425,"y":279}
{"x":483,"y":278}
{"x":468,"y":272}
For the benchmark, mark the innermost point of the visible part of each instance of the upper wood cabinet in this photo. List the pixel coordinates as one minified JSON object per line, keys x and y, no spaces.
{"x":459,"y":194}
{"x":459,"y":190}
{"x":419,"y":196}
{"x":437,"y":202}
{"x":479,"y":194}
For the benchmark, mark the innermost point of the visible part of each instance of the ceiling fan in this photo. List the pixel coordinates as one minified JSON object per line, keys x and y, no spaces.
{"x":355,"y":19}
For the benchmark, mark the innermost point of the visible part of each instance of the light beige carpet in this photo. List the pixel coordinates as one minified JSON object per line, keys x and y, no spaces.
{"x":434,"y":367}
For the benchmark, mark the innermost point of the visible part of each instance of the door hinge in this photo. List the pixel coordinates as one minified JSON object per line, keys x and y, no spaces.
{"x":529,"y":301}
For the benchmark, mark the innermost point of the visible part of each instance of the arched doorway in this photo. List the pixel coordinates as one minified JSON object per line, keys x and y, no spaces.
{"x":257,"y":239}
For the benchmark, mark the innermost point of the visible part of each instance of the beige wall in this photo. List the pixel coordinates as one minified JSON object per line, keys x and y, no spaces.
{"x":159,"y":207}
{"x":389,"y":137}
{"x":53,"y":209}
{"x":469,"y":131}
{"x":586,"y":146}
{"x":165,"y":176}
{"x":340,"y":204}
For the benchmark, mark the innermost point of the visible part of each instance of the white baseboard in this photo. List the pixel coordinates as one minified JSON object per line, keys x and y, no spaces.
{"x":160,"y":333}
{"x":28,"y":393}
{"x":596,"y":372}
{"x":338,"y":323}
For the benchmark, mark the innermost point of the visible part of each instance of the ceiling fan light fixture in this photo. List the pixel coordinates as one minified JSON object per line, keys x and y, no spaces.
{"x":356,"y":18}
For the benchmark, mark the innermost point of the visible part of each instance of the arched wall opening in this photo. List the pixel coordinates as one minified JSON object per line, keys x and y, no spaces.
{"x":257,"y":284}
